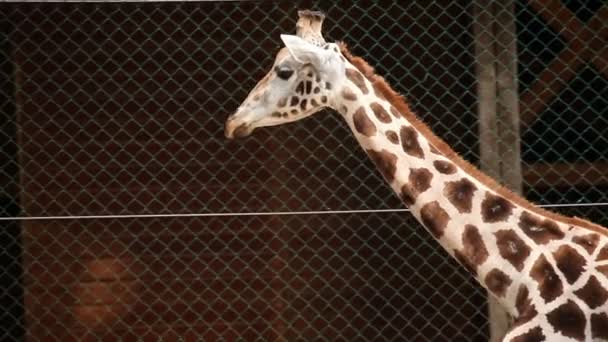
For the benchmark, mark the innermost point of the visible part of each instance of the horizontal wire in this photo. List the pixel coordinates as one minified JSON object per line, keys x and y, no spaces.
{"x":262,"y":213}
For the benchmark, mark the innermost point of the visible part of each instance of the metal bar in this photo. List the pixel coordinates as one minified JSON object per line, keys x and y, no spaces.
{"x":262,"y":213}
{"x":566,"y":65}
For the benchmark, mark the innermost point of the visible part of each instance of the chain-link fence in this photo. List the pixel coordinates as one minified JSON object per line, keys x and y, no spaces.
{"x":117,"y":110}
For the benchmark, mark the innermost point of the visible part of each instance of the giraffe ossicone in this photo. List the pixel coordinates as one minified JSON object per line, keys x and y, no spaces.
{"x":550,"y":272}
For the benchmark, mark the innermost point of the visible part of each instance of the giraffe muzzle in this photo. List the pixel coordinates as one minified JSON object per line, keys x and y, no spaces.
{"x":237,"y":129}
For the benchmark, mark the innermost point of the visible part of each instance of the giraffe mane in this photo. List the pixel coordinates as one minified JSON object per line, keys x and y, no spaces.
{"x":398,"y":101}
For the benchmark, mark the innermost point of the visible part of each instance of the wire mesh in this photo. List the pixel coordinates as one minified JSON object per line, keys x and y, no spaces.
{"x":118,"y":109}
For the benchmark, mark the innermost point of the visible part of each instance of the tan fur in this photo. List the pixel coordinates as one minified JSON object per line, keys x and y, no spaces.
{"x":399,"y":102}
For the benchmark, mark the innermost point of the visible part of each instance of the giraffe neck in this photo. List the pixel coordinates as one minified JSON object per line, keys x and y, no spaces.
{"x":522,"y":257}
{"x":440,"y":195}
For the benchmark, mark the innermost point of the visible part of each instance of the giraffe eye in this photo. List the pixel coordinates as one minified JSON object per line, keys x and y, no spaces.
{"x":283,"y":72}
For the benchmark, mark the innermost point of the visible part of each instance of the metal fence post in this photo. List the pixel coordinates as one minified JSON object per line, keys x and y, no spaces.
{"x":496,"y":69}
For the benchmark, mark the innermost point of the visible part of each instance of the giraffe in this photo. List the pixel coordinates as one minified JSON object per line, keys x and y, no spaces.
{"x":548,"y":271}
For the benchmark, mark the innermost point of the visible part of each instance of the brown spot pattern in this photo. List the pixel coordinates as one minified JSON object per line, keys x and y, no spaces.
{"x":358,"y":79}
{"x":386,"y":163}
{"x":465,"y":262}
{"x":603,"y":254}
{"x":380,"y":112}
{"x":282,"y":102}
{"x":599,"y":325}
{"x":603,"y":270}
{"x":420,"y":179}
{"x":474,"y":249}
{"x":445,"y":167}
{"x":348,"y":94}
{"x":593,"y":293}
{"x":569,"y":262}
{"x":324,"y":99}
{"x":363,"y":124}
{"x":435,"y":218}
{"x":569,"y":320}
{"x":525,"y":309}
{"x":409,"y":141}
{"x":549,"y":284}
{"x":392,"y":137}
{"x":589,"y":241}
{"x":497,"y":282}
{"x":303,"y":104}
{"x":300,"y":88}
{"x":525,"y":318}
{"x":294,"y":101}
{"x":460,"y":194}
{"x":533,"y":335}
{"x":539,"y":230}
{"x":512,"y":248}
{"x":495,"y":208}
{"x":408,"y":195}
{"x":522,"y":301}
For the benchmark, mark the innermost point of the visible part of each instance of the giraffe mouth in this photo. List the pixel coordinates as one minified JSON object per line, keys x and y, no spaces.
{"x":235,"y":129}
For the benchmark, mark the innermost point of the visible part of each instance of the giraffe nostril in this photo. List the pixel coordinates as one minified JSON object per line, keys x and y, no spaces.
{"x":239,"y":125}
{"x":235,"y":128}
{"x":242,"y":131}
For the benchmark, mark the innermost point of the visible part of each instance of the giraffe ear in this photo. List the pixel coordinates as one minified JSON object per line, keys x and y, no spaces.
{"x":303,"y":51}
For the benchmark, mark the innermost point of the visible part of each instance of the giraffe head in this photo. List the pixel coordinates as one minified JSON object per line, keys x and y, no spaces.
{"x":301,"y":82}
